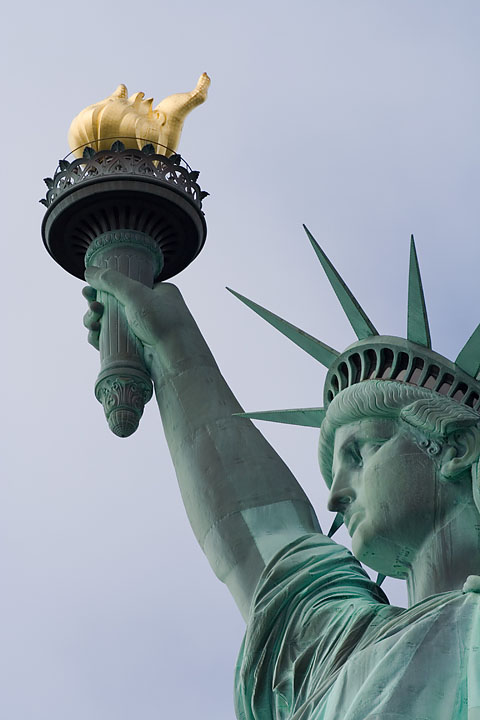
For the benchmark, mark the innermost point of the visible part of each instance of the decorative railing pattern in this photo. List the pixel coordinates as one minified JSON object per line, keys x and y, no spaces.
{"x":144,"y":163}
{"x":399,"y":360}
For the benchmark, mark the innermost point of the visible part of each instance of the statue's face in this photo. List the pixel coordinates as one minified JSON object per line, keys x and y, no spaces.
{"x":389,"y":492}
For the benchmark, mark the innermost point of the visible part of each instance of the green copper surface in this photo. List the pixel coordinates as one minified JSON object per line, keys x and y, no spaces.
{"x":317,"y":349}
{"x":308,"y":417}
{"x":359,"y":321}
{"x":418,"y":330}
{"x":336,"y":525}
{"x":123,"y":385}
{"x":469,"y":356}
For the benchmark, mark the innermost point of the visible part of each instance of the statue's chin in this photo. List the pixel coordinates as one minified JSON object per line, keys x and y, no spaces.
{"x":378,"y":552}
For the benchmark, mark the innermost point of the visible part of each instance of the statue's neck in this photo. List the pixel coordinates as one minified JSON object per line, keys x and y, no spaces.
{"x":449,"y":556}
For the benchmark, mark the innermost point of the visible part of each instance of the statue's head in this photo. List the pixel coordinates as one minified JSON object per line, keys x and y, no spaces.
{"x":400,"y":430}
{"x":401,"y":463}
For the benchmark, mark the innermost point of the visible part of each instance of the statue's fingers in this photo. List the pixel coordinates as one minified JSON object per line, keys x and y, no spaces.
{"x":89,"y":293}
{"x":94,"y":338}
{"x":122,"y":287}
{"x":96,"y":308}
{"x":93,"y":315}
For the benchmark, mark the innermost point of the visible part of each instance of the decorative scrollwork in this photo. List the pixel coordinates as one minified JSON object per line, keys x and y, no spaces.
{"x":431,"y":447}
{"x":144,"y":163}
{"x":117,"y":391}
{"x":125,"y":237}
{"x":123,"y":400}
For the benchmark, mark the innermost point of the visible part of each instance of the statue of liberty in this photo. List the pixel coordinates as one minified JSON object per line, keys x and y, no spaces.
{"x":400,"y":452}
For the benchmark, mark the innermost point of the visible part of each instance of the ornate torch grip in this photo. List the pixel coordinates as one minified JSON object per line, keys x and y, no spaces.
{"x":123,"y":385}
{"x":137,"y":212}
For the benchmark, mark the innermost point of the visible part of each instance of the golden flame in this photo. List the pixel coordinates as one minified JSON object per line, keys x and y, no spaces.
{"x":134,"y":121}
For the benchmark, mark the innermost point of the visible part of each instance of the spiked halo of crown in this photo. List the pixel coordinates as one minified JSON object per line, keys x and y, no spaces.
{"x":409,"y":360}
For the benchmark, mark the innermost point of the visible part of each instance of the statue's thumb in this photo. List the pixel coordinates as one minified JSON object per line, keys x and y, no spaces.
{"x":113,"y":282}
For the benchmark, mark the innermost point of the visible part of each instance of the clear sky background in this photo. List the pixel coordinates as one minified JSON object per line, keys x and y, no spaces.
{"x":359,"y":118}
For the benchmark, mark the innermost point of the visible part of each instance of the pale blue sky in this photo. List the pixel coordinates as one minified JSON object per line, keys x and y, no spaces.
{"x":359,"y":118}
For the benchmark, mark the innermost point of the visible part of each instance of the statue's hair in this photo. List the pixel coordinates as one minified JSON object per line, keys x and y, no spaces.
{"x":434,"y":415}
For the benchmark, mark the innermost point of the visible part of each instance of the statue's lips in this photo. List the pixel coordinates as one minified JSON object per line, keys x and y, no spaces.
{"x":352,"y":521}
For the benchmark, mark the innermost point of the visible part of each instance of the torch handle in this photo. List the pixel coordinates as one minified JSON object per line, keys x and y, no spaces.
{"x":123,"y":385}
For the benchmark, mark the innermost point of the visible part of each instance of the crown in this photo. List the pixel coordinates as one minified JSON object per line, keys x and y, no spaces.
{"x":409,"y":360}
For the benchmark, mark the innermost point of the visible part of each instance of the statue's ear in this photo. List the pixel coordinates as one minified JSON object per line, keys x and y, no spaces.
{"x":460,"y":451}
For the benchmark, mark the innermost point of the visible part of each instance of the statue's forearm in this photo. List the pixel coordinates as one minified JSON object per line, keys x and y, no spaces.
{"x":242,"y":501}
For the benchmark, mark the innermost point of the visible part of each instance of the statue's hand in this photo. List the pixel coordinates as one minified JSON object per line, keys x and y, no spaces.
{"x":151,"y":314}
{"x":91,"y":319}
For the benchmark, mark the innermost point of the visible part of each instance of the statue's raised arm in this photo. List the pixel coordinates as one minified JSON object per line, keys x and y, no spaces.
{"x":242,"y":501}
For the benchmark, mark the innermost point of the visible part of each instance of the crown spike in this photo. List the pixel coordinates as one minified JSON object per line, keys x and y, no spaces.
{"x":469,"y":356}
{"x":336,"y":525}
{"x":380,"y":579}
{"x":358,"y":320}
{"x":418,"y":330}
{"x":307,"y":417}
{"x":318,"y":350}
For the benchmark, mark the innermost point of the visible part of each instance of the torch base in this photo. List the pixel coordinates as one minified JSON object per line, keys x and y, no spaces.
{"x":123,"y":398}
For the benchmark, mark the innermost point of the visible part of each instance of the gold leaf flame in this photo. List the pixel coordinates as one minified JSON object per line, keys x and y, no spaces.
{"x":134,"y":121}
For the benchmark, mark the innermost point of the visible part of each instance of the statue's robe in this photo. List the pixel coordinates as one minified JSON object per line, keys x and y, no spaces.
{"x":322,"y":643}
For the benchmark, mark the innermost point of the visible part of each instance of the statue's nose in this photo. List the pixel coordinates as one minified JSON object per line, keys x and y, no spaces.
{"x":341,"y":493}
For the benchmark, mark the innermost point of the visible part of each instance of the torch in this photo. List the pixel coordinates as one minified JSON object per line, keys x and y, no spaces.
{"x":127,"y":201}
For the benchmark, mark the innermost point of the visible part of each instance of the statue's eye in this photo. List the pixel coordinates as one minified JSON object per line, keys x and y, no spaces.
{"x":354,"y":455}
{"x":373,"y":447}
